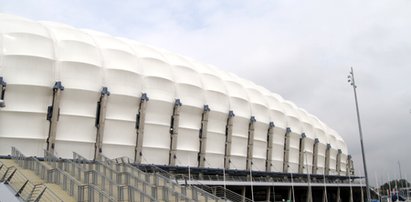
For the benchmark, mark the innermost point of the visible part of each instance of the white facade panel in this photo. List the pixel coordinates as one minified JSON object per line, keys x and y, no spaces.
{"x":123,"y":82}
{"x":28,"y":44}
{"x":33,"y":56}
{"x":76,"y":75}
{"x":28,"y":70}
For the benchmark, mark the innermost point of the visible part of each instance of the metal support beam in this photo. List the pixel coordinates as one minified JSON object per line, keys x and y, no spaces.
{"x":175,"y":119}
{"x":325,"y":197}
{"x":140,"y":119}
{"x":243,"y":192}
{"x":203,"y":136}
{"x":338,"y":164}
{"x":268,"y":194}
{"x":250,"y":145}
{"x":351,"y":195}
{"x":286,"y":150}
{"x":327,"y":160}
{"x":270,"y":137}
{"x":315,"y":156}
{"x":53,"y":113}
{"x":100,"y":122}
{"x":350,"y":166}
{"x":301,"y":158}
{"x":338,"y":194}
{"x":309,"y":194}
{"x":3,"y":86}
{"x":228,"y":138}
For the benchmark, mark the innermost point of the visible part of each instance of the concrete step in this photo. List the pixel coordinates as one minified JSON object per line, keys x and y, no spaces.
{"x":35,"y":179}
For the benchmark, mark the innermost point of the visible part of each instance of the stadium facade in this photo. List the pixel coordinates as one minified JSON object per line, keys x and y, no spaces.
{"x":66,"y":89}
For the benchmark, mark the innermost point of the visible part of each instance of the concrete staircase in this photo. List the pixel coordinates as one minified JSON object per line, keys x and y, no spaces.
{"x":28,"y":186}
{"x":80,"y":179}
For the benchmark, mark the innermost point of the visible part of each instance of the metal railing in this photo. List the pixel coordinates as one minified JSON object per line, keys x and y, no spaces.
{"x":167,"y":191}
{"x":93,"y":177}
{"x":76,"y":189}
{"x":24,"y":188}
{"x":121,"y":178}
{"x":163,"y":178}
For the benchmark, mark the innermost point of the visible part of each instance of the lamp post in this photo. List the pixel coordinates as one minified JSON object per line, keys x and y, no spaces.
{"x":352,"y":82}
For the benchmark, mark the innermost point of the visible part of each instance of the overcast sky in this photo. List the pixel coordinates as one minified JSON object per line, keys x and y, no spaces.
{"x":301,"y":50}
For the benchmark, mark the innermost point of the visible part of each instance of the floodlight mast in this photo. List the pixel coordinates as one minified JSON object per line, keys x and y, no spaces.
{"x":352,"y":82}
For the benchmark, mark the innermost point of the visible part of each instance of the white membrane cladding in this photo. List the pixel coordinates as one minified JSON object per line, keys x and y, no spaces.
{"x":34,"y":55}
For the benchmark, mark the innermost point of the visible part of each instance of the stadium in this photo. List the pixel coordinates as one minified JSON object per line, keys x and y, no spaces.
{"x":75,"y":101}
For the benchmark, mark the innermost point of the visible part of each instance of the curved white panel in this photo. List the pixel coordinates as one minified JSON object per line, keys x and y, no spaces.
{"x":188,"y":142}
{"x":28,"y":70}
{"x":12,"y":24}
{"x":123,"y":82}
{"x":36,"y":55}
{"x":80,"y":76}
{"x":28,"y":44}
{"x":216,"y":139}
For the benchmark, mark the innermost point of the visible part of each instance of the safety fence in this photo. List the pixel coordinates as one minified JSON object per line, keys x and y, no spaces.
{"x":164,"y":179}
{"x":24,"y":188}
{"x":75,"y":188}
{"x":117,"y":191}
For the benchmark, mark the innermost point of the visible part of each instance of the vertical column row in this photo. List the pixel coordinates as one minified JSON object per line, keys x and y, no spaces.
{"x":174,"y":132}
{"x":140,"y":119}
{"x":228,"y":139}
{"x":100,"y":122}
{"x":270,"y":137}
{"x":203,"y":136}
{"x":286,"y":150}
{"x":250,"y":143}
{"x":3,"y":85}
{"x":53,"y":113}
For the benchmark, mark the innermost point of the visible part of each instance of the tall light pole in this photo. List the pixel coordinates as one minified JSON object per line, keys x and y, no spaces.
{"x":352,"y":82}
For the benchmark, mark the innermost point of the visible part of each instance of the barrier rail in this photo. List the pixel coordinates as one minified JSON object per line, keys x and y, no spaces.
{"x":24,"y":188}
{"x":80,"y":191}
{"x":121,"y":178}
{"x":96,"y":178}
{"x":163,"y":178}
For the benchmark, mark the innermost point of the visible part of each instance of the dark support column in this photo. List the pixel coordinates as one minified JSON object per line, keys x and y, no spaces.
{"x":309,"y":194}
{"x":243,"y":192}
{"x":351,"y":195}
{"x":250,"y":144}
{"x":203,"y":136}
{"x":228,"y":137}
{"x":53,"y":113}
{"x":174,"y":132}
{"x":268,"y":194}
{"x":338,"y":166}
{"x":270,"y":137}
{"x":315,"y":156}
{"x":286,"y":150}
{"x":100,"y":122}
{"x":362,"y":194}
{"x":327,"y":160}
{"x":140,"y":119}
{"x":338,"y":194}
{"x":301,"y":155}
{"x":325,"y":197}
{"x":348,"y":171}
{"x":3,"y":85}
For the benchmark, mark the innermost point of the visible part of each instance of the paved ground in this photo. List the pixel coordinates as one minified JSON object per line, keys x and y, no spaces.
{"x":7,"y":195}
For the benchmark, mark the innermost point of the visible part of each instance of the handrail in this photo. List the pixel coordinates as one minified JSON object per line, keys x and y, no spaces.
{"x":121,"y":178}
{"x":171,"y":179}
{"x":23,"y":187}
{"x":125,"y":166}
{"x":81,"y":192}
{"x":93,"y":177}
